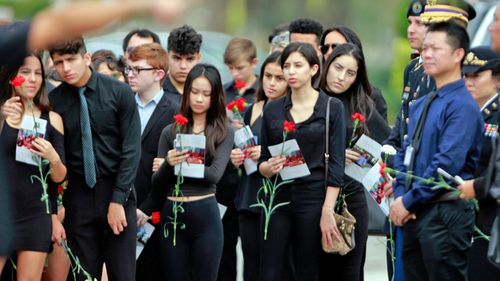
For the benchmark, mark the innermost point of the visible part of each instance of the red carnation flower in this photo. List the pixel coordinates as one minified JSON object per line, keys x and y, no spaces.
{"x":180,"y":120}
{"x":155,"y":217}
{"x":289,"y":126}
{"x":241,"y":104}
{"x":17,"y":81}
{"x":60,"y":189}
{"x":382,"y":170}
{"x":231,"y":105}
{"x":239,"y":84}
{"x":358,"y":116}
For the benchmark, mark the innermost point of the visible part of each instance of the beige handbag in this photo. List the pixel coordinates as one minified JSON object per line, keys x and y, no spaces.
{"x":345,"y":221}
{"x":346,"y":225}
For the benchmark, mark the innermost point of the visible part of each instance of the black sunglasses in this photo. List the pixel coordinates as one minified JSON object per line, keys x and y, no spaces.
{"x":324,"y":48}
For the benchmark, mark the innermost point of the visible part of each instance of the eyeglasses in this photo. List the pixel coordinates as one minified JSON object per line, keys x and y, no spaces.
{"x":136,"y":70}
{"x":324,"y":48}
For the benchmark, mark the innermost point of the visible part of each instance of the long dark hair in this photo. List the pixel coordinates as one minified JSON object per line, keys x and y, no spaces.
{"x":274,"y":57}
{"x":307,"y":51}
{"x":359,"y":98}
{"x":7,"y":73}
{"x":216,"y":123}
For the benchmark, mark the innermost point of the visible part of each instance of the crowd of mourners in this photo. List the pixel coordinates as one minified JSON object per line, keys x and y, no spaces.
{"x":104,"y":161}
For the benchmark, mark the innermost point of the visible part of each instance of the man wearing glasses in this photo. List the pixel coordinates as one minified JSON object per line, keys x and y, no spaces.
{"x":146,"y":72}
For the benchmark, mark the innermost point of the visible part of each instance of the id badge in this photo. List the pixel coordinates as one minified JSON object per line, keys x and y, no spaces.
{"x":409,"y":156}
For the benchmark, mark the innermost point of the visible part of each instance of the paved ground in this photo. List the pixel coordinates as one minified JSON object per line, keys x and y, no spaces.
{"x":375,"y":265}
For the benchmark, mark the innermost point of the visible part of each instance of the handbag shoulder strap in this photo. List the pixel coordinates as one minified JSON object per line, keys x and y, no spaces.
{"x":327,"y":139}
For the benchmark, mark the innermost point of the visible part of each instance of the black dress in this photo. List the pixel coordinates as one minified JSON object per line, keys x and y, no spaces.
{"x":32,"y":224}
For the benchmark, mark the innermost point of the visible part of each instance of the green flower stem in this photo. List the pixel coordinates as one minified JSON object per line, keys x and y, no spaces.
{"x":41,"y":163}
{"x":176,"y":207}
{"x":354,"y":127}
{"x":481,"y":234}
{"x":45,"y":195}
{"x":392,"y":247}
{"x":76,"y":267}
{"x":441,"y":184}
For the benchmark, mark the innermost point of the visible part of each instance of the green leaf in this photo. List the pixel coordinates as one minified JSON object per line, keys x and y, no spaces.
{"x":279,"y":205}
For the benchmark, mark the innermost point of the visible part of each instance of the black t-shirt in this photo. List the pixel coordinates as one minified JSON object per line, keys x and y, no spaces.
{"x":14,"y":43}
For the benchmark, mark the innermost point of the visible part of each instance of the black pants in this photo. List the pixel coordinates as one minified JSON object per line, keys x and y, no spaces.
{"x":198,"y":249}
{"x":350,"y":266}
{"x":250,"y":243}
{"x":148,"y":263}
{"x":436,"y":243}
{"x":89,"y":235}
{"x":296,"y":224}
{"x":480,"y":269}
{"x":227,"y":270}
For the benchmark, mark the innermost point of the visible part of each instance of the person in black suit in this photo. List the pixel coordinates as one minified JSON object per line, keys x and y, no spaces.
{"x":146,"y":71}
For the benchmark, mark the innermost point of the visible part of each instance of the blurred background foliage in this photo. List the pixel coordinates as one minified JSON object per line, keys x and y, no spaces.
{"x":381,"y":25}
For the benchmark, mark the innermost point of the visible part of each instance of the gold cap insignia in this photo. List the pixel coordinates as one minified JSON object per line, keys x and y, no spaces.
{"x":471,"y":59}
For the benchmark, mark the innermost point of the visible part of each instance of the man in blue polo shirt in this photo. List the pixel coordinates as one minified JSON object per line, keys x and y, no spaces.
{"x":445,"y":130}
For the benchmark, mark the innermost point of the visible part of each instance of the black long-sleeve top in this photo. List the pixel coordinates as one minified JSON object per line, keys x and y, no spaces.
{"x":164,"y":179}
{"x":310,"y":136}
{"x":115,"y":125}
{"x":378,"y":128}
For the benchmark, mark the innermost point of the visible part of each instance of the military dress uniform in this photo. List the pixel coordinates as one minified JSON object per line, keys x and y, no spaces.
{"x":479,"y":268}
{"x":481,"y":59}
{"x":416,"y":85}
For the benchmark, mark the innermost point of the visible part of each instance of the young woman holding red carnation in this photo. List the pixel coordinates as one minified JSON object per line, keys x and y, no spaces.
{"x":302,"y":222}
{"x":345,"y":78}
{"x":198,"y":249}
{"x":34,"y":227}
{"x":273,"y":86}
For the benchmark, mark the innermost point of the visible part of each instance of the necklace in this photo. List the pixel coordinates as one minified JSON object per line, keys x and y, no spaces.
{"x":199,"y":132}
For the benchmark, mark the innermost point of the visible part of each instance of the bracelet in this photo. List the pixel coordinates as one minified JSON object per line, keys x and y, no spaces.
{"x":329,"y":208}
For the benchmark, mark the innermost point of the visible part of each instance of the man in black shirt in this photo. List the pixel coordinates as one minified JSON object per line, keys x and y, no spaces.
{"x":184,"y":45}
{"x":102,"y":150}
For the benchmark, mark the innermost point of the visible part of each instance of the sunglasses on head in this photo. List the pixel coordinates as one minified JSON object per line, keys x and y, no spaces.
{"x":324,"y":48}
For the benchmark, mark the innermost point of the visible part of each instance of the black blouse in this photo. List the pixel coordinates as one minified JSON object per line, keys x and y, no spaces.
{"x":310,"y":136}
{"x":164,"y":179}
{"x":378,"y":129}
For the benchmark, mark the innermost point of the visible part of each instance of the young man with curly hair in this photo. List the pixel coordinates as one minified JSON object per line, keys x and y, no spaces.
{"x":306,"y":31}
{"x":183,"y":53}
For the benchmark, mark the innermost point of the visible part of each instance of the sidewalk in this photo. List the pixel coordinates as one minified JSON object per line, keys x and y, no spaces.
{"x":375,"y":264}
